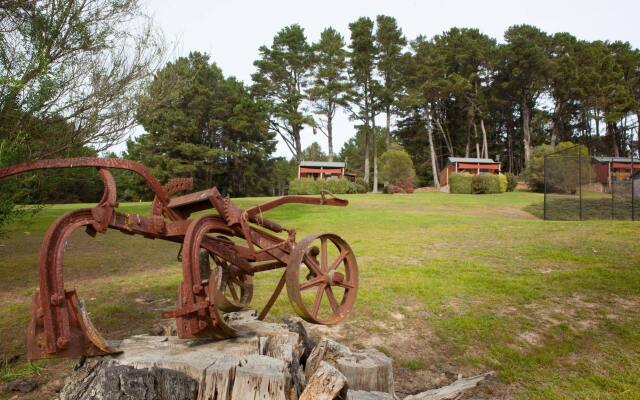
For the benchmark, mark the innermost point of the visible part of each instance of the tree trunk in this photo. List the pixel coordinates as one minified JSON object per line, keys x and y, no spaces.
{"x":485,"y":143}
{"x":555,"y":128}
{"x":375,"y":155}
{"x":330,"y":135}
{"x":526,"y":131}
{"x":366,"y":154}
{"x":611,"y":131}
{"x":388,"y":127}
{"x":432,"y":155}
{"x":475,"y":137}
{"x":296,"y":138}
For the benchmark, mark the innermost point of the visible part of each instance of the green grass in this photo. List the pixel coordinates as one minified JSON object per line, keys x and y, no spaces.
{"x":477,"y":282}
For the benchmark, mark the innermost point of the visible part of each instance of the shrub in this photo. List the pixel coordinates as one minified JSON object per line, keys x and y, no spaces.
{"x":460,"y":183}
{"x":512,"y":182}
{"x":563,"y":167}
{"x":485,"y":184}
{"x":396,"y":169}
{"x":503,"y":182}
{"x":361,"y":185}
{"x":315,"y":186}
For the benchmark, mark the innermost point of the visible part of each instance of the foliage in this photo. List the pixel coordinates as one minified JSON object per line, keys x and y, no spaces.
{"x":314,"y":153}
{"x":330,"y":83}
{"x":485,"y":184}
{"x":202,"y":125}
{"x":396,"y":168}
{"x":503,"y":183}
{"x":70,"y":72}
{"x":283,"y":74}
{"x":563,"y":167}
{"x":460,"y":183}
{"x":315,"y":186}
{"x":512,"y":182}
{"x":81,"y":63}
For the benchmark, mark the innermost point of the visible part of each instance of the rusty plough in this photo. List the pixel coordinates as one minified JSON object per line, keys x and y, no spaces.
{"x":221,"y":253}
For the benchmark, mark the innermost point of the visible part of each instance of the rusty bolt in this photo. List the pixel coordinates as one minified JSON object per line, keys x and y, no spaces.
{"x":62,"y":342}
{"x":202,"y":325}
{"x":56,"y":299}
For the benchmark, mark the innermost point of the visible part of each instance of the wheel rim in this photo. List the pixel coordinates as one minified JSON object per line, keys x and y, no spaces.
{"x":322,"y":279}
{"x":236,"y":287}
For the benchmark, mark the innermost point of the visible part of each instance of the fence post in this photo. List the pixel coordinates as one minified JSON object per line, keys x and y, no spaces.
{"x":580,"y":180}
{"x":545,"y":186}
{"x":633,"y":191}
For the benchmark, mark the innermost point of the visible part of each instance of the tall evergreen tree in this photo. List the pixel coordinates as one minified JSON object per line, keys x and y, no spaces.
{"x":390,"y":43}
{"x":283,"y":75}
{"x":526,"y":68}
{"x":364,"y":86}
{"x":330,"y":84}
{"x":202,"y":125}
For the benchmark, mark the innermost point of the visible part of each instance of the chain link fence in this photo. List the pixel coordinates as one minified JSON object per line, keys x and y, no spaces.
{"x":580,"y":187}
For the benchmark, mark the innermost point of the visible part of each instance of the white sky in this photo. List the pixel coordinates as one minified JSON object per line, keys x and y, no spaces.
{"x":231,"y":31}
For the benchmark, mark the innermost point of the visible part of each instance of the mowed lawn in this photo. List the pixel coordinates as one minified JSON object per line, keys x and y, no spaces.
{"x":449,"y":284}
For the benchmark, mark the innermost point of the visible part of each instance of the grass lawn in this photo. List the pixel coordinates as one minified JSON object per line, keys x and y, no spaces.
{"x":448,"y":284}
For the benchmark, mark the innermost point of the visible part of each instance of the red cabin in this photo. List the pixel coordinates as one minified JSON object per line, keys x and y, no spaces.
{"x":474,"y":166}
{"x":321,"y":169}
{"x":613,"y":168}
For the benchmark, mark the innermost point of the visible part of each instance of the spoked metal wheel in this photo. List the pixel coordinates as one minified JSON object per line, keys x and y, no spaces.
{"x":236,"y":287}
{"x":322,"y":279}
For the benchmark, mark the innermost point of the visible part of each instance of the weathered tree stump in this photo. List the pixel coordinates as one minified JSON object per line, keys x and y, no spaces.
{"x":326,"y":383}
{"x":367,"y":370}
{"x":264,"y":362}
{"x":267,"y":361}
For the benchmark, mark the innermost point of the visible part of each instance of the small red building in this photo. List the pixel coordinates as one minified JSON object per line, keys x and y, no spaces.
{"x":321,"y":169}
{"x":613,"y":168}
{"x":472,"y":166}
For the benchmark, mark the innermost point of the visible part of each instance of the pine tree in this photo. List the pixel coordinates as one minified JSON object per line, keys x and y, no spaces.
{"x":283,"y":75}
{"x":330,"y":83}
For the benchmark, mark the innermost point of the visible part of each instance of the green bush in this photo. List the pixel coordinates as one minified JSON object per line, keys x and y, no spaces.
{"x":512,"y":182}
{"x":485,"y":184}
{"x":315,"y":186}
{"x":563,"y":168}
{"x":460,"y":183}
{"x":503,"y":182}
{"x":361,"y":185}
{"x":396,"y":169}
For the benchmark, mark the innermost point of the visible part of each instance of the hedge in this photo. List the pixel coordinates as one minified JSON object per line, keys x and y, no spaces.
{"x":512,"y":182}
{"x":503,"y":183}
{"x":314,"y":186}
{"x":485,"y":184}
{"x":460,"y":183}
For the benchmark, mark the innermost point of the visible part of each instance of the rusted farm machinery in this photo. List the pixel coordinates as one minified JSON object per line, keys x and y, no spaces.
{"x":321,"y":272}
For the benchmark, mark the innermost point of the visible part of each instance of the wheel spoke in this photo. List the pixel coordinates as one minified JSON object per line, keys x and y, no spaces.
{"x":323,"y":253}
{"x":312,"y":282}
{"x":343,"y":284}
{"x":312,"y":265}
{"x":338,"y":260}
{"x":234,"y":294}
{"x":332,"y":300}
{"x":317,"y":301}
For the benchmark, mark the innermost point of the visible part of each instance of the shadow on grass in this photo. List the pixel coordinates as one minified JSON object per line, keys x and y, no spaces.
{"x":567,"y":208}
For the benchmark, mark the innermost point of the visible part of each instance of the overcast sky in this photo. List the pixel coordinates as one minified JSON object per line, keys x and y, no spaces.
{"x":232,"y":30}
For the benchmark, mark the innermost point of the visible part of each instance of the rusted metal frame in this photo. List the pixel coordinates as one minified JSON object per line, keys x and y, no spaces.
{"x":52,"y":297}
{"x":267,"y":266}
{"x":79,"y":162}
{"x":274,"y":296}
{"x":270,"y":205}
